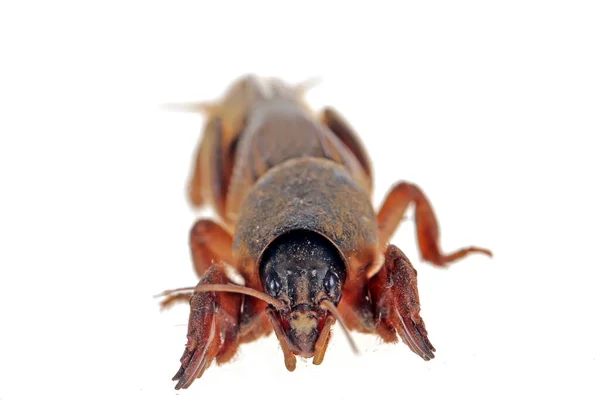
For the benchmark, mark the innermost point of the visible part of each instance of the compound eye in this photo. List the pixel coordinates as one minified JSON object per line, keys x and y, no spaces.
{"x":331,"y":284}
{"x":273,"y":284}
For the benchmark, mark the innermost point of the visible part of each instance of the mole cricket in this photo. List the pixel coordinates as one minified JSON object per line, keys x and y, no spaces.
{"x":292,"y":191}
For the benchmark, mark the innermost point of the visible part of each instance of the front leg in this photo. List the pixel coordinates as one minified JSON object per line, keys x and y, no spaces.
{"x":212,"y":330}
{"x":396,"y":304}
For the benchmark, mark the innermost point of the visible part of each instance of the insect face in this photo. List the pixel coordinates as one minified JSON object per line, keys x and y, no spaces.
{"x":303,"y":270}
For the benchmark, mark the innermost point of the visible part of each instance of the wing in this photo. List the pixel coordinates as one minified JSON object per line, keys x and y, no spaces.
{"x":338,"y":125}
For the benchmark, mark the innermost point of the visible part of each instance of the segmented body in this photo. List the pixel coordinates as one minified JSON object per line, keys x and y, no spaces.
{"x":281,"y":168}
{"x":292,"y":189}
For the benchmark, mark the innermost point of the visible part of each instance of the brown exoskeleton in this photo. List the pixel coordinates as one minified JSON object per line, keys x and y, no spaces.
{"x":293,"y":192}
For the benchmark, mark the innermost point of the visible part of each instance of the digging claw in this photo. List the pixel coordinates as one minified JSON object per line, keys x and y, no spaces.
{"x":213,"y":319}
{"x":394,"y":289}
{"x":415,"y":336}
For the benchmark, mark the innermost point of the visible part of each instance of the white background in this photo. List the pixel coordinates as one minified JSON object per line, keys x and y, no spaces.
{"x":491,"y":107}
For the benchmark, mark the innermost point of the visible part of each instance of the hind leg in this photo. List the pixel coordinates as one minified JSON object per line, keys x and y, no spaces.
{"x":210,"y":245}
{"x":392,"y":211}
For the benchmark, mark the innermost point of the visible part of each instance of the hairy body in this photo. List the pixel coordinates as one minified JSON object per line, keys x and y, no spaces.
{"x":292,"y":190}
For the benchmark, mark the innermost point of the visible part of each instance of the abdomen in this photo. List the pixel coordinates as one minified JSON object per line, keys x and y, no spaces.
{"x":278,"y":132}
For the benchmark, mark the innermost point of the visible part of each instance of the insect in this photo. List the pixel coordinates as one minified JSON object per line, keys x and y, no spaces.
{"x":292,"y":191}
